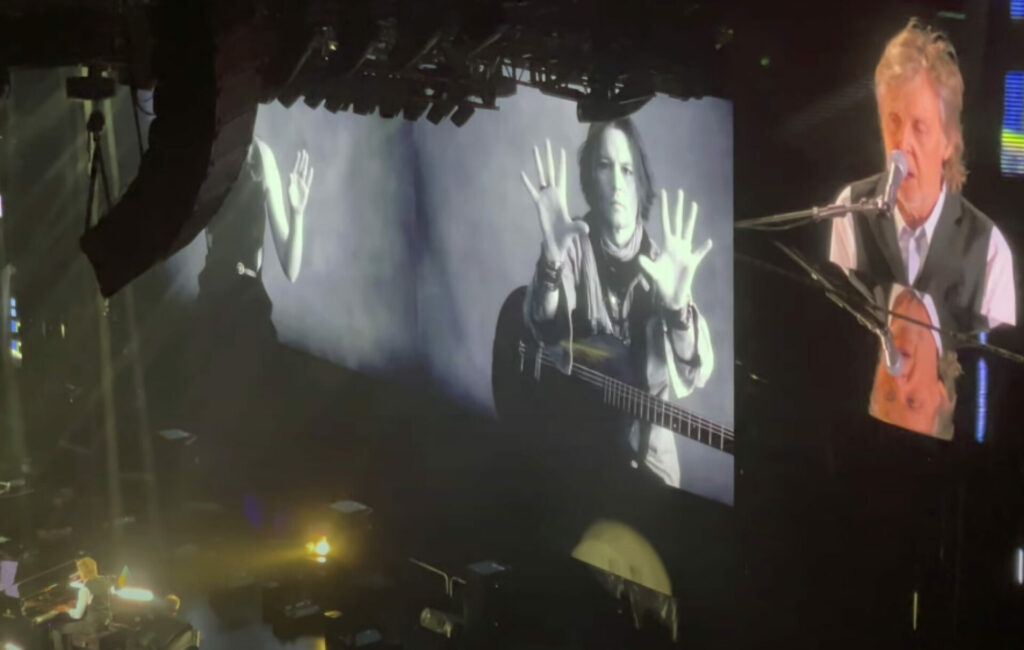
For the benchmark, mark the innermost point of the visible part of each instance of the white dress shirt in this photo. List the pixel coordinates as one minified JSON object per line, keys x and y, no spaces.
{"x":84,"y":600}
{"x":914,"y":242}
{"x":999,"y":301}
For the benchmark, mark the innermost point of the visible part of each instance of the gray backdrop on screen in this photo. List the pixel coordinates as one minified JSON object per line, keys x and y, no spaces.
{"x":416,"y":233}
{"x":354,"y":300}
{"x":482,"y":238}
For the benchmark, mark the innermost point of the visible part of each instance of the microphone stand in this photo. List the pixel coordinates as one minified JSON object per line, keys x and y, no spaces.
{"x":788,"y":220}
{"x":874,"y":322}
{"x":874,"y":319}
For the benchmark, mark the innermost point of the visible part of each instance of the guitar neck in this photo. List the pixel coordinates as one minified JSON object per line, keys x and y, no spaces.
{"x":652,"y":409}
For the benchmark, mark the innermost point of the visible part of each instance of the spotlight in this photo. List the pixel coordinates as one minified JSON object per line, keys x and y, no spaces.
{"x":440,"y":110}
{"x":319,"y":550}
{"x":462,"y":115}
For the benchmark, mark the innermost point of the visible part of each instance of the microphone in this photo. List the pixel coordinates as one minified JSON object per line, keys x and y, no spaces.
{"x":897,"y":171}
{"x":893,"y":358}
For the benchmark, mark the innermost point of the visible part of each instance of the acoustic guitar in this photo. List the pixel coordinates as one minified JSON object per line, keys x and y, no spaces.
{"x":528,"y":384}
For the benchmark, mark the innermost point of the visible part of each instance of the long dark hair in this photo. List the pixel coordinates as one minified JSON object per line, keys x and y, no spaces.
{"x":642,"y":170}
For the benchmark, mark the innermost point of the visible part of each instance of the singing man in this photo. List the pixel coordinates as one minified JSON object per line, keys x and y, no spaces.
{"x":935,"y":241}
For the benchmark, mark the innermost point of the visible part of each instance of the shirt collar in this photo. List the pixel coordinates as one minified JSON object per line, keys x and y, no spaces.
{"x":930,"y":223}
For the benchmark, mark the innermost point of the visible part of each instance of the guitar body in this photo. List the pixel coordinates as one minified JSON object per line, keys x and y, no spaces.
{"x":591,"y":409}
{"x":539,"y":400}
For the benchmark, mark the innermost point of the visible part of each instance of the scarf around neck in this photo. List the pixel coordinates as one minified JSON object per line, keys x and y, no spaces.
{"x":627,"y":251}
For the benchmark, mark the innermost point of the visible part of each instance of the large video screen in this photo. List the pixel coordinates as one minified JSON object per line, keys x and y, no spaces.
{"x":522,"y":257}
{"x":926,"y":267}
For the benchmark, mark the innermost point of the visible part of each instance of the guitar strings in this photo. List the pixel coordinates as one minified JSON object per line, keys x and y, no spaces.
{"x":643,"y":399}
{"x":649,"y":401}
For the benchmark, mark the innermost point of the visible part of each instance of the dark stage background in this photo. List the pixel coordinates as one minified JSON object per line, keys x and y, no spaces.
{"x":839,"y":519}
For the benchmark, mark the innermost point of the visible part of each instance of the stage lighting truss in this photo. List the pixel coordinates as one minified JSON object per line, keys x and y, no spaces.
{"x":210,"y":67}
{"x":419,"y":60}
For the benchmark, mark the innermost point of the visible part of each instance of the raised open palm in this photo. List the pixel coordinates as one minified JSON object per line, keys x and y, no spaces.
{"x":557,"y":227}
{"x":299,"y":182}
{"x":673,"y":272}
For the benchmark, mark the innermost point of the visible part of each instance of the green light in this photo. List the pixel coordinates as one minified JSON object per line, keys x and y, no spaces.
{"x":765,"y":61}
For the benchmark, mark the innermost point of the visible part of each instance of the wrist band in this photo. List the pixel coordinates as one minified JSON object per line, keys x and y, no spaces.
{"x":548,"y":273}
{"x":680,"y":319}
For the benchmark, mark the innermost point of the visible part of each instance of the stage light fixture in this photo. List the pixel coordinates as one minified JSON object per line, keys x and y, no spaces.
{"x":339,"y":97}
{"x":1020,"y":566}
{"x":607,"y":106}
{"x":414,"y":108}
{"x":319,"y":549}
{"x":441,"y":109}
{"x":462,"y":115}
{"x":391,"y":94}
{"x":390,"y":109}
{"x":363,"y":105}
{"x":503,"y":86}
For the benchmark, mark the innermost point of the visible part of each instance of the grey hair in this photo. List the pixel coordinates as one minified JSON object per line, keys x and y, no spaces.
{"x":916,"y":49}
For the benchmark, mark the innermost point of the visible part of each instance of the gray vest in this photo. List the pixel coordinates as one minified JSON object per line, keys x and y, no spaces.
{"x":954,"y":268}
